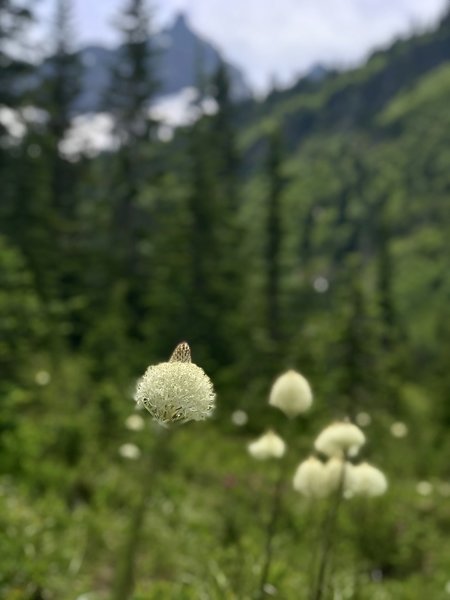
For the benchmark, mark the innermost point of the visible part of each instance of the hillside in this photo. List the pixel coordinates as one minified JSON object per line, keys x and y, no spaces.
{"x":351,"y":99}
{"x":308,"y":231}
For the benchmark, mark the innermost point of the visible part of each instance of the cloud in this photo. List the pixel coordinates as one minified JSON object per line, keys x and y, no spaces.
{"x":280,"y":38}
{"x":286,"y":37}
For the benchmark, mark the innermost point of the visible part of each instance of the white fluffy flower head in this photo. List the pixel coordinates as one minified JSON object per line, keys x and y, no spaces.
{"x":367,"y":480}
{"x":269,"y":445}
{"x":339,"y":438}
{"x":291,"y":393}
{"x":176,"y":391}
{"x":310,"y":478}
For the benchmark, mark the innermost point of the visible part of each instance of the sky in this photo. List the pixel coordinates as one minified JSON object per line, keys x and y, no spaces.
{"x":274,"y":40}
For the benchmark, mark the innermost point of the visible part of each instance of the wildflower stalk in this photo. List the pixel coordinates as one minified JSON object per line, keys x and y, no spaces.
{"x":126,"y":573}
{"x":328,"y":538}
{"x":270,"y":533}
{"x":125,"y":581}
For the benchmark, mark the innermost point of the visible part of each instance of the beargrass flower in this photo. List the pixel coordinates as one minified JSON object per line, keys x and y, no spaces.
{"x":399,"y":430}
{"x":310,"y":478}
{"x":291,"y":393}
{"x":367,"y":480}
{"x":338,"y":438}
{"x":129,"y":451}
{"x":135,"y":423}
{"x":42,"y":378}
{"x":177,"y":390}
{"x":424,"y":488}
{"x":269,"y":445}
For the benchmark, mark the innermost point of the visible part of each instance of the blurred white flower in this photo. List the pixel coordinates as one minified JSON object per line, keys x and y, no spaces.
{"x":338,"y":438}
{"x":42,"y":378}
{"x":130,"y":451}
{"x":367,"y":480}
{"x":363,"y":419}
{"x":444,"y":489}
{"x":447,"y":587}
{"x":177,"y":390}
{"x":291,"y":393}
{"x":424,"y":488}
{"x":310,"y":478}
{"x":269,"y":445}
{"x":239,"y":418}
{"x":135,"y":423}
{"x":321,"y":284}
{"x":399,"y":429}
{"x":338,"y":474}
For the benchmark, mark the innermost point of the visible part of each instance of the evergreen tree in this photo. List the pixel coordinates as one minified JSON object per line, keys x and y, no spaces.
{"x":132,"y":92}
{"x":223,"y":137}
{"x":61,"y":88}
{"x":15,"y":17}
{"x":217,"y":269}
{"x":274,"y":235}
{"x":134,"y":82}
{"x":58,"y":96}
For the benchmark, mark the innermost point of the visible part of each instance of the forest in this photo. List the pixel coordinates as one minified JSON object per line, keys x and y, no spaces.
{"x":307,"y":232}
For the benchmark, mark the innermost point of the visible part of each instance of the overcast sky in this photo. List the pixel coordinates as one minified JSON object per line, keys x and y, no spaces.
{"x":275,"y":39}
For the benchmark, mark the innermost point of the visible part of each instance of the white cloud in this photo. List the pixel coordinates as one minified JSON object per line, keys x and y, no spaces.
{"x":285,"y":37}
{"x":278,"y":37}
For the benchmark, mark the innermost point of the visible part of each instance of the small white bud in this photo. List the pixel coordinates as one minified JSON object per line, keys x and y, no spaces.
{"x":339,"y":438}
{"x":399,"y":430}
{"x":424,"y":488}
{"x":269,"y":445}
{"x":135,"y":423}
{"x":310,"y":479}
{"x":363,"y":419}
{"x":42,"y":378}
{"x":177,"y":390}
{"x":367,"y":480}
{"x":291,"y":393}
{"x":129,"y":451}
{"x":239,"y":418}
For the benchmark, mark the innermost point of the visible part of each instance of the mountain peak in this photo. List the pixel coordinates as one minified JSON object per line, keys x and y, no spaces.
{"x":181,"y":22}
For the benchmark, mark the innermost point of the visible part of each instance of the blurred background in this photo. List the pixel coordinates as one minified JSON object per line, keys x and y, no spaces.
{"x":270,"y":182}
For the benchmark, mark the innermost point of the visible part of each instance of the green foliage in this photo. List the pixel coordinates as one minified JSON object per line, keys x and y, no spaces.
{"x":314,"y":236}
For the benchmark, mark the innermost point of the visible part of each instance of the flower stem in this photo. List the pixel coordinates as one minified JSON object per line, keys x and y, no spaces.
{"x":270,"y":533}
{"x":125,"y":581}
{"x":328,"y":539}
{"x":126,"y":572}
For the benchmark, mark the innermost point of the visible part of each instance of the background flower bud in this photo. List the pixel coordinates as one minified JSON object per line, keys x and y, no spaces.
{"x":338,"y":438}
{"x":367,"y":480}
{"x":310,"y":478}
{"x":291,"y":393}
{"x":269,"y":445}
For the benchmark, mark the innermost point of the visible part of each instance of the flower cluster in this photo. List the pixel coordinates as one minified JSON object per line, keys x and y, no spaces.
{"x":315,"y":478}
{"x":177,"y":390}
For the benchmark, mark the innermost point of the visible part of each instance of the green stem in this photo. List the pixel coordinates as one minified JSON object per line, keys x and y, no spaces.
{"x":270,"y":533}
{"x":328,"y":538}
{"x":125,"y":581}
{"x":126,"y":573}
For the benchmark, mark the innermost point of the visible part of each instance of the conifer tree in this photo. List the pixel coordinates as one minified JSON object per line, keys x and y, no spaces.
{"x":223,"y":136}
{"x":274,"y":236}
{"x":130,"y":97}
{"x":61,"y":86}
{"x":15,"y":18}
